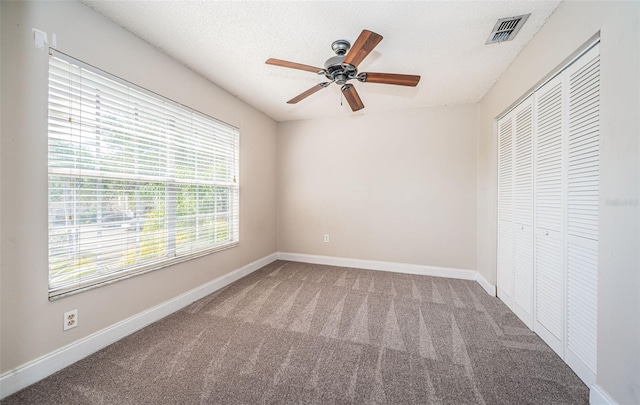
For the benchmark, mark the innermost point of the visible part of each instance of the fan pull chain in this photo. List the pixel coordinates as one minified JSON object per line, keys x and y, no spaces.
{"x":340,"y":98}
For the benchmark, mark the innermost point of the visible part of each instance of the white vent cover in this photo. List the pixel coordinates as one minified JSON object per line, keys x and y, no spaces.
{"x":506,"y":29}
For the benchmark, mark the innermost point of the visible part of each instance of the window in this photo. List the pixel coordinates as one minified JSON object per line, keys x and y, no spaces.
{"x":136,"y":182}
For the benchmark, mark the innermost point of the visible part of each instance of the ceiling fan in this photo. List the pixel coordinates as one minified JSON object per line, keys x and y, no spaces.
{"x":344,"y":67}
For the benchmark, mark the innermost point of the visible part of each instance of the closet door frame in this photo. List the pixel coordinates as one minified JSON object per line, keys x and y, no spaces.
{"x":560,"y":344}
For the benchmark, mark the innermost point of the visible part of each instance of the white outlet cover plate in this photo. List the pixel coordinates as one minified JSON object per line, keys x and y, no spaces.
{"x":68,"y":318}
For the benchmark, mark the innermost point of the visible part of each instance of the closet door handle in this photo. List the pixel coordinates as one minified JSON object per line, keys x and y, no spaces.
{"x":546,"y":233}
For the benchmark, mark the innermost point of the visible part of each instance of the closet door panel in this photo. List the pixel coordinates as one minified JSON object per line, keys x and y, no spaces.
{"x":523,"y":274}
{"x":583,"y":172}
{"x":505,"y":209}
{"x":549,"y":156}
{"x":549,"y":213}
{"x":582,"y":303}
{"x":523,"y":163}
{"x":505,"y":261}
{"x":549,"y":288}
{"x":505,"y":169}
{"x":583,"y":148}
{"x":523,"y":211}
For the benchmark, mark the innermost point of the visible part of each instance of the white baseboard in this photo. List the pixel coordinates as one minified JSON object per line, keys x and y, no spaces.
{"x":598,"y":396}
{"x":27,"y":374}
{"x":488,"y":287}
{"x":423,"y":270}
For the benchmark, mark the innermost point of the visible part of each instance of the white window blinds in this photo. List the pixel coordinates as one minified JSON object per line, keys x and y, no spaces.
{"x":136,"y":181}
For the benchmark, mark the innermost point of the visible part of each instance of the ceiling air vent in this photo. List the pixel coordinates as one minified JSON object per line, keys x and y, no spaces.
{"x":506,"y":29}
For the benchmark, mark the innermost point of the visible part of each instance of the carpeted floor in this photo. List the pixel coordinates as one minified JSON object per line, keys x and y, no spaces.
{"x":296,"y":333}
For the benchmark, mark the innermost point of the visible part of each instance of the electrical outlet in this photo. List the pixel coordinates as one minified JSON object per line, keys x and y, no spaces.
{"x":326,"y":238}
{"x":70,"y":319}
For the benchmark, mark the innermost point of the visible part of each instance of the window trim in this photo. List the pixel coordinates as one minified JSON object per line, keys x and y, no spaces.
{"x":56,"y":293}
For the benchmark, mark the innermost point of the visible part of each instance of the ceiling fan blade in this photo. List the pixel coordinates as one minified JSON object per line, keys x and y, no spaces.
{"x":352,"y":97}
{"x":307,"y":93}
{"x":362,"y":47}
{"x":392,"y":78}
{"x":293,"y":65}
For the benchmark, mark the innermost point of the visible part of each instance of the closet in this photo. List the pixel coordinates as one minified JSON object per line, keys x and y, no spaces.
{"x":548,"y":183}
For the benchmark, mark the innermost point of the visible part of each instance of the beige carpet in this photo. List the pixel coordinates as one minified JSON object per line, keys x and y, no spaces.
{"x":295,"y":333}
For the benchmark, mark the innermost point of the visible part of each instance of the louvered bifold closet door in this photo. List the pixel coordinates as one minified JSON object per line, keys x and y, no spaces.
{"x":549,"y":207}
{"x":523,"y":211}
{"x":505,"y":209}
{"x":582,"y":214}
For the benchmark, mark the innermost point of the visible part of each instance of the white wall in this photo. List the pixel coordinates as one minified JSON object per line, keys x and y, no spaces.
{"x":572,"y":24}
{"x":31,"y":326}
{"x":396,"y":187}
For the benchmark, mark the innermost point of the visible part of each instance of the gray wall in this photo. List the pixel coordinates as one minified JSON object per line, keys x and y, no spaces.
{"x":31,"y":325}
{"x":394,"y":187}
{"x":572,"y":24}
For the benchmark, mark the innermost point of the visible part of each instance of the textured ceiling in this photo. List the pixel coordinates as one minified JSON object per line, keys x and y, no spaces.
{"x":228,"y":43}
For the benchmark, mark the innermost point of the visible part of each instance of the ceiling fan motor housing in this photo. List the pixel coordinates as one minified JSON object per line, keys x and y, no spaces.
{"x":335,"y":70}
{"x":333,"y":63}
